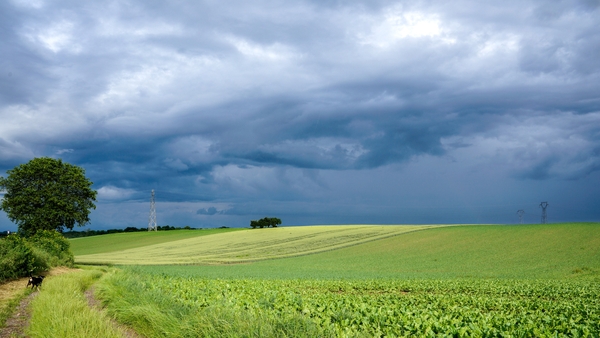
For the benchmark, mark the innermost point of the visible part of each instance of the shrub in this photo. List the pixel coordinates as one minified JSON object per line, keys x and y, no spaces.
{"x":16,"y":257}
{"x":56,"y":245}
{"x":20,"y":257}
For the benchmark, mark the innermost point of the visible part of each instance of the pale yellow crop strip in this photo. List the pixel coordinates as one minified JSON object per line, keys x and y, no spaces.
{"x":251,"y":245}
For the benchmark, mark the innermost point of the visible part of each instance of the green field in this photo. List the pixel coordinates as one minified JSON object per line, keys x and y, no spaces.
{"x":130,"y":240}
{"x":243,"y":246}
{"x":358,"y":281}
{"x":478,"y":251}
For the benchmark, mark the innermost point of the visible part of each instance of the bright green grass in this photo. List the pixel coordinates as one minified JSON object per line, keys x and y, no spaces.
{"x":570,"y":250}
{"x":62,"y":310}
{"x":249,"y":245}
{"x":130,"y":240}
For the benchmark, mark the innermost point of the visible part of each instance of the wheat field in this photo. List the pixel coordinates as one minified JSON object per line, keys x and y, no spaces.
{"x":249,"y":245}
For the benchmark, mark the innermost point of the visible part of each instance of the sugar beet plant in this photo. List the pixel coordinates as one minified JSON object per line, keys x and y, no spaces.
{"x":378,"y":308}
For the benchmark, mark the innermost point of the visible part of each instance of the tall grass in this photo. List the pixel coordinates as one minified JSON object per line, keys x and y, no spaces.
{"x":152,"y":313}
{"x":61,"y":309}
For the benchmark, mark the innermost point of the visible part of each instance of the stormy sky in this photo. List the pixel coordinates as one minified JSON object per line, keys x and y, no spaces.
{"x":316,"y":112}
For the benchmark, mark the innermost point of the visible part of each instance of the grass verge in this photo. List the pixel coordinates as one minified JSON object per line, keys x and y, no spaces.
{"x":61,"y":309}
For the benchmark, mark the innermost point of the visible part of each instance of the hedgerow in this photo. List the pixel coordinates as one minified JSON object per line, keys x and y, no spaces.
{"x":20,"y":256}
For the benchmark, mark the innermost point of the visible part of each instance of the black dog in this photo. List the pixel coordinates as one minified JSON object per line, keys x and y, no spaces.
{"x":35,"y":281}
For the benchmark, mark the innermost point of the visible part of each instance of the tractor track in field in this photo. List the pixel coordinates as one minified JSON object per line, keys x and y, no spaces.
{"x":16,"y":324}
{"x":96,"y":305}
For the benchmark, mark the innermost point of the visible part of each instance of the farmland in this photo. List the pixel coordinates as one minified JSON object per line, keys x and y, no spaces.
{"x":246,"y":245}
{"x":124,"y":241}
{"x":344,"y":281}
{"x":481,"y":280}
{"x":170,"y":305}
{"x":481,"y":251}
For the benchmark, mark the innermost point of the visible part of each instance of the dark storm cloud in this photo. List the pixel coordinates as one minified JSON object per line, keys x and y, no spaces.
{"x":23,"y":78}
{"x":251,"y":101}
{"x":207,"y":211}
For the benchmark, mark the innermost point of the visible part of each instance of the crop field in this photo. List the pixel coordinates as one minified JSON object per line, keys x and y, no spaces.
{"x":169,"y":305}
{"x":480,"y":251}
{"x":361,"y":281}
{"x":245,"y":245}
{"x":129,"y":240}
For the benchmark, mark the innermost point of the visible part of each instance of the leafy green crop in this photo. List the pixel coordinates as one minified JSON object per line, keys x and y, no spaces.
{"x":374,"y":308}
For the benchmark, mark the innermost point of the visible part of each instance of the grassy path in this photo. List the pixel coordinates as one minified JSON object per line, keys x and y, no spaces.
{"x":15,"y":324}
{"x":65,"y":307}
{"x":96,"y":305}
{"x":11,"y":294}
{"x":63,"y":310}
{"x":14,"y":301}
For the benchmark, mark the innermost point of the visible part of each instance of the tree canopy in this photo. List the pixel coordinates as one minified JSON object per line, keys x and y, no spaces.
{"x":265,"y":222}
{"x":47,"y":194}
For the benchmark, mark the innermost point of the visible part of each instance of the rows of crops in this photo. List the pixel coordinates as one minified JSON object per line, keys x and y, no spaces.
{"x":363,"y":308}
{"x":249,"y":245}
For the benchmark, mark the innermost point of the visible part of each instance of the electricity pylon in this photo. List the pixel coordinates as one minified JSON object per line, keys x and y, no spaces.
{"x":520,"y":213}
{"x":152,"y":217}
{"x":544,"y":205}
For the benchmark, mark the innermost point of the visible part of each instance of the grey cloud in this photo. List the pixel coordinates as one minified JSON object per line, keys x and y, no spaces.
{"x":207,"y":211}
{"x":211,"y":102}
{"x":23,"y":74}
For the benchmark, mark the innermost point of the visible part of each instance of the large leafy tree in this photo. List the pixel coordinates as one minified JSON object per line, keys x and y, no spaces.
{"x":47,"y":194}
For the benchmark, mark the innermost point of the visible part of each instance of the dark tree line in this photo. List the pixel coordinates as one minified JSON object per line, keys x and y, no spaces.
{"x":265,"y":222}
{"x":89,"y":232}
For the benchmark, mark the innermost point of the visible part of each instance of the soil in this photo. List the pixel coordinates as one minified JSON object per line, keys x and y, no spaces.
{"x":15,"y":325}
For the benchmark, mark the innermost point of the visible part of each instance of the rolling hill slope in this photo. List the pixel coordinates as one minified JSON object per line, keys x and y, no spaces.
{"x":130,"y":240}
{"x":488,"y":251}
{"x":479,"y":251}
{"x":243,"y":245}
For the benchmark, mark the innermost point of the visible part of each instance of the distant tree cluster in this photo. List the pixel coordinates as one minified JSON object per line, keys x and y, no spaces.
{"x":265,"y":222}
